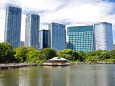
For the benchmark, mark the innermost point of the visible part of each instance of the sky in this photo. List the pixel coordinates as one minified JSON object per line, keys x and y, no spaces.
{"x":68,"y":12}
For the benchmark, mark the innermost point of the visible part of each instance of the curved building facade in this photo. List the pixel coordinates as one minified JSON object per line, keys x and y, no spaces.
{"x":103,"y":36}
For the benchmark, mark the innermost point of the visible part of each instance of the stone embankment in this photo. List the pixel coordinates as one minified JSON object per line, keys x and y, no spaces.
{"x":16,"y":65}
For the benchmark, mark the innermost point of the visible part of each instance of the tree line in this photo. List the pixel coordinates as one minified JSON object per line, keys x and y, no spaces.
{"x":31,"y":55}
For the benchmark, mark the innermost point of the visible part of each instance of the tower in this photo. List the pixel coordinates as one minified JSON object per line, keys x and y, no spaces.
{"x":43,"y":39}
{"x":103,"y":36}
{"x":32,"y":30}
{"x":13,"y":26}
{"x":81,"y":38}
{"x":57,"y":36}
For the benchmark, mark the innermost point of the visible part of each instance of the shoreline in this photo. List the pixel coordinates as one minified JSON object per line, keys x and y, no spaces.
{"x":92,"y":62}
{"x":20,"y":65}
{"x":16,"y":65}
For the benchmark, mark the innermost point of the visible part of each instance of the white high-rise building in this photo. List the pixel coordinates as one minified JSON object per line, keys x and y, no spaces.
{"x":32,"y":30}
{"x":103,"y":36}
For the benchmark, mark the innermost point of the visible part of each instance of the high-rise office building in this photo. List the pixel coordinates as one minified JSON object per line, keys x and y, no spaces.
{"x":80,"y":38}
{"x":103,"y":36}
{"x":114,"y":46}
{"x":43,"y":39}
{"x":13,"y":26}
{"x":32,"y":30}
{"x":57,"y":36}
{"x":21,"y":43}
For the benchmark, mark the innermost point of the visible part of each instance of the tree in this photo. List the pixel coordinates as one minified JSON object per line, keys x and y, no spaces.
{"x":82,"y":56}
{"x":32,"y":55}
{"x":47,"y":53}
{"x":68,"y":54}
{"x":112,"y":54}
{"x":6,"y":52}
{"x":92,"y":59}
{"x":21,"y":54}
{"x":105,"y":55}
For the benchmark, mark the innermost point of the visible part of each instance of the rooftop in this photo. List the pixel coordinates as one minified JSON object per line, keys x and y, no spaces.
{"x":58,"y":59}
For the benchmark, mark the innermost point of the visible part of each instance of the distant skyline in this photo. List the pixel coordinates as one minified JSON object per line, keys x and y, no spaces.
{"x":61,"y":11}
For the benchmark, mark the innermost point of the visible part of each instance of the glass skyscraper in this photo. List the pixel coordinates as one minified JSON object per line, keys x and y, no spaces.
{"x":114,"y":46}
{"x":21,"y":43}
{"x":80,"y":38}
{"x":57,"y":36}
{"x":32,"y":30}
{"x":103,"y":36}
{"x":43,"y":39}
{"x":13,"y":26}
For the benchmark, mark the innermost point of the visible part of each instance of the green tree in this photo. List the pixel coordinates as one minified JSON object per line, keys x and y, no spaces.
{"x":47,"y":53}
{"x":68,"y":54}
{"x":105,"y":55}
{"x":82,"y":56}
{"x":93,"y":59}
{"x":32,"y":55}
{"x":21,"y":54}
{"x":93,"y":56}
{"x":112,"y":54}
{"x":6,"y":52}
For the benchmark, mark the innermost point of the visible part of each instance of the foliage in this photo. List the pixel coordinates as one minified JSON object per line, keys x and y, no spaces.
{"x":99,"y":54}
{"x":29,"y":54}
{"x":32,"y":55}
{"x":47,"y":53}
{"x":21,"y":54}
{"x":93,"y":59}
{"x":68,"y":54}
{"x":82,"y":56}
{"x":109,"y":60}
{"x":112,"y":54}
{"x":6,"y":52}
{"x":105,"y":55}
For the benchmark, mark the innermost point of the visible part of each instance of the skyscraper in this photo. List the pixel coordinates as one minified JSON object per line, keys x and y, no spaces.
{"x":32,"y":30}
{"x":21,"y":43}
{"x":57,"y":36}
{"x":103,"y":36}
{"x":80,"y":38}
{"x":114,"y":46}
{"x":43,"y":39}
{"x":13,"y":26}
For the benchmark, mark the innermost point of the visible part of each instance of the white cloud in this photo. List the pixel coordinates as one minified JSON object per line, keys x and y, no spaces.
{"x":2,"y":25}
{"x":63,"y":11}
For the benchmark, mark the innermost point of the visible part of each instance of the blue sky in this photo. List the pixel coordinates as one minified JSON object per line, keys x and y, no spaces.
{"x":62,"y":11}
{"x":111,"y":0}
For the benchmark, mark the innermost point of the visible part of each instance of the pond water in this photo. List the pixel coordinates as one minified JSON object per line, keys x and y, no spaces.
{"x":76,"y":75}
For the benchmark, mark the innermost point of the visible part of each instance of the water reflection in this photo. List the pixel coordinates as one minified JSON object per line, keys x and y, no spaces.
{"x":77,"y":75}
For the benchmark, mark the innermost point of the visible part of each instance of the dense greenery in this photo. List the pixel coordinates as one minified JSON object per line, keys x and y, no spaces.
{"x":6,"y":52}
{"x":47,"y":53}
{"x":30,"y":54}
{"x":68,"y":54}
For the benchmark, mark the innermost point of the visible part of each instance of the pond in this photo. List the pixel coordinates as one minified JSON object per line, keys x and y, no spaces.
{"x":75,"y":75}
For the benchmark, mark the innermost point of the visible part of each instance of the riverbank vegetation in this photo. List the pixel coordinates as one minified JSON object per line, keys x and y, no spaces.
{"x":31,"y":55}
